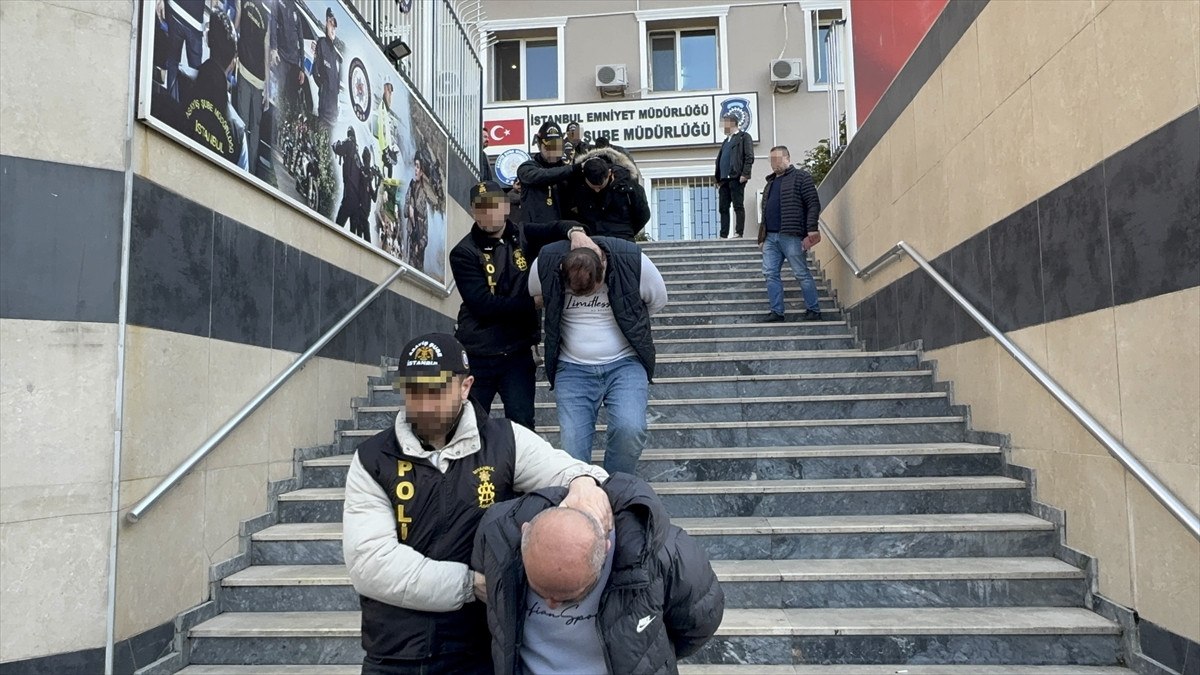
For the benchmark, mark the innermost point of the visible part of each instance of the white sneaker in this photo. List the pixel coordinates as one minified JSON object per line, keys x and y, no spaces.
{"x":735,"y":236}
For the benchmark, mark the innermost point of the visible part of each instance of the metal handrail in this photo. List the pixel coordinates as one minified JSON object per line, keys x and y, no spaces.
{"x":1161,"y":492}
{"x":135,"y":514}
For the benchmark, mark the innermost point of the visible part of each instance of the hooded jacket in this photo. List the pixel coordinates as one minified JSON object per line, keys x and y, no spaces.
{"x":619,"y":210}
{"x":409,"y":519}
{"x":658,"y":573}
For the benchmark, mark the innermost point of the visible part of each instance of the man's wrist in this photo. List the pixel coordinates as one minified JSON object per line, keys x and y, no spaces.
{"x":588,"y":476}
{"x":575,"y":228}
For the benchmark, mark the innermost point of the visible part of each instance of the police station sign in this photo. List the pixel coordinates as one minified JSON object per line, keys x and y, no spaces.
{"x":645,"y":123}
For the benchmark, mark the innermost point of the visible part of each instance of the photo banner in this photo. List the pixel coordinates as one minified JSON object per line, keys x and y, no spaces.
{"x":634,"y":125}
{"x":296,"y":97}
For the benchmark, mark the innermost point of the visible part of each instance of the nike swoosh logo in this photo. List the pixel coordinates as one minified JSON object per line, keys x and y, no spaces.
{"x":643,"y":622}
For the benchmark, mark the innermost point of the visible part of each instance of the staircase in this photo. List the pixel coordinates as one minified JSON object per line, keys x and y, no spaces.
{"x":849,"y":516}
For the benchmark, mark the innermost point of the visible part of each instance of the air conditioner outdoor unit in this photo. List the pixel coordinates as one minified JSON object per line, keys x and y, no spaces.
{"x":787,"y":71}
{"x":612,"y":76}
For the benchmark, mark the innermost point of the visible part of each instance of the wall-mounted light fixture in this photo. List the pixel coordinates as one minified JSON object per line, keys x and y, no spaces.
{"x":397,"y":49}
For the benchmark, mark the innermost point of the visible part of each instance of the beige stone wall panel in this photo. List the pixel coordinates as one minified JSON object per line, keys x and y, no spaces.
{"x":1082,"y":357}
{"x":1167,"y":560}
{"x":1052,"y":24}
{"x":904,"y":154}
{"x":1009,"y":156}
{"x":1066,"y":112}
{"x":928,"y":123}
{"x":1004,"y":51}
{"x":40,"y":43}
{"x":968,"y":190}
{"x":960,"y":88}
{"x":57,"y":580}
{"x":237,"y":372}
{"x":1147,"y":63}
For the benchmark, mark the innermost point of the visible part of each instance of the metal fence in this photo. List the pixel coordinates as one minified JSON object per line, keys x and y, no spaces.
{"x":444,"y":67}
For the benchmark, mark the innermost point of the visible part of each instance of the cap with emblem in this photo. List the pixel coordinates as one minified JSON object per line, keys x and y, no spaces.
{"x":487,"y":191}
{"x":549,"y":131}
{"x":432,"y":358}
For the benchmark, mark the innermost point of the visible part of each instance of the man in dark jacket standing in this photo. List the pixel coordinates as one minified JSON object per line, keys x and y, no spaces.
{"x":498,"y":322}
{"x":790,"y":210}
{"x":608,"y":197}
{"x":544,"y":177}
{"x":599,"y":350}
{"x":327,"y":68}
{"x":733,"y":171}
{"x":551,"y":578}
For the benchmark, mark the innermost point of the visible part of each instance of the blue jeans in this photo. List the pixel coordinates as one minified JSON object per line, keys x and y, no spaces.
{"x":776,"y":248}
{"x":622,"y":387}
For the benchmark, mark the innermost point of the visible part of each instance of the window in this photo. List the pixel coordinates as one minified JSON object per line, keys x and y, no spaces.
{"x":820,"y":24}
{"x":684,"y":60}
{"x":683,"y":208}
{"x":525,"y":69}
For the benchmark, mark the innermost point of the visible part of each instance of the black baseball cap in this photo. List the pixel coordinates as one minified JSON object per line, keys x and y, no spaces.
{"x":329,"y":15}
{"x":549,"y":131}
{"x":489,"y":191}
{"x":433,"y":358}
{"x":730,"y":115}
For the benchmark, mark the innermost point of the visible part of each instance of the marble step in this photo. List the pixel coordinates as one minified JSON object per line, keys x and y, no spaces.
{"x":737,"y":385}
{"x":721,"y":669}
{"x":743,"y":267}
{"x":867,"y":431}
{"x":748,"y":327}
{"x":744,"y":345}
{"x":698,"y":247}
{"x":871,"y":582}
{"x":877,"y":536}
{"x":843,"y":406}
{"x":774,"y":363}
{"x":746,"y":283}
{"x":768,"y":498}
{"x":672,"y":464}
{"x":709,"y":258}
{"x":755,"y":293}
{"x":983,"y":635}
{"x":743,"y":308}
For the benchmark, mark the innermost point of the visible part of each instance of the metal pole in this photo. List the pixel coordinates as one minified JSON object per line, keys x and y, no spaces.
{"x":185,"y":467}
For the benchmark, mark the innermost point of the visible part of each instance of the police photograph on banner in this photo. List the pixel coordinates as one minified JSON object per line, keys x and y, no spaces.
{"x":297,"y":97}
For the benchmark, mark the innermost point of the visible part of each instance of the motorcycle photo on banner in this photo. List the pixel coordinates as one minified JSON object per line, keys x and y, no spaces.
{"x":296,"y":97}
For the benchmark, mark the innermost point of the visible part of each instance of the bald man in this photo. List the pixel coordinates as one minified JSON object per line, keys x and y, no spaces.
{"x":552,"y":575}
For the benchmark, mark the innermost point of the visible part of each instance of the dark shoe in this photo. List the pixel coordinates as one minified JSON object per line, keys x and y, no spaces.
{"x":773,"y":318}
{"x":812,"y":316}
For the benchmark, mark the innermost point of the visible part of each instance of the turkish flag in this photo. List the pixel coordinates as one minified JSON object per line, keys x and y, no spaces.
{"x":505,"y":132}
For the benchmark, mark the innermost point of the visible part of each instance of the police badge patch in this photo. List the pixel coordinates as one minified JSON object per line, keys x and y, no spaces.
{"x":358,"y":84}
{"x":740,"y":107}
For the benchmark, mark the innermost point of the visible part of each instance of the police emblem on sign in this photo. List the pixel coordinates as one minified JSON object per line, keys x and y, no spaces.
{"x":359,"y":87}
{"x":740,"y":107}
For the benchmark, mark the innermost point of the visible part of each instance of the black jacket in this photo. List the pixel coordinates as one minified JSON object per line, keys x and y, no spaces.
{"x":799,"y":204}
{"x":623,"y":275}
{"x":543,"y":188}
{"x":499,"y":317}
{"x":658,"y":571}
{"x":619,"y":210}
{"x":741,"y":147}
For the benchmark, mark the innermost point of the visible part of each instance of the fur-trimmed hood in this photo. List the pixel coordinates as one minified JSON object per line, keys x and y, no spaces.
{"x":614,"y":157}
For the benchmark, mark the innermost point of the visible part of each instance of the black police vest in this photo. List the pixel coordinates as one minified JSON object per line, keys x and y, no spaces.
{"x":437,"y":515}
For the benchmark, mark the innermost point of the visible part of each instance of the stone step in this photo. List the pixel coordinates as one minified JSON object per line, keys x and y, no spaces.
{"x":985,"y":635}
{"x":705,"y":258}
{"x":870,"y":431}
{"x":671,"y":464}
{"x":847,"y":406}
{"x":758,"y":293}
{"x":769,"y":498}
{"x":742,"y":345}
{"x":719,"y":669}
{"x":748,"y":327}
{"x":712,"y":364}
{"x":752,"y":306}
{"x":699,"y":246}
{"x":876,"y":536}
{"x":743,"y":267}
{"x":871,"y":582}
{"x":738,"y":283}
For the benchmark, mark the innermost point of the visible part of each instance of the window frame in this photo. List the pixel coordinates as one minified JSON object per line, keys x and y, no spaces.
{"x":677,"y":34}
{"x":680,"y":171}
{"x":647,"y":17}
{"x":810,"y":66}
{"x":510,"y":30}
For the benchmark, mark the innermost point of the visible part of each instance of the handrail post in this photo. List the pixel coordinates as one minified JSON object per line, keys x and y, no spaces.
{"x":185,"y":467}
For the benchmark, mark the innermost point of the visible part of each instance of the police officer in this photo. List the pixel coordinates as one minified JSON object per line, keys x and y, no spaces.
{"x":498,"y":323}
{"x":544,"y":177}
{"x":415,"y":494}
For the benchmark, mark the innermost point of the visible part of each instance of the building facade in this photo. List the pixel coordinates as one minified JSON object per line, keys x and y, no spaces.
{"x":654,"y":76}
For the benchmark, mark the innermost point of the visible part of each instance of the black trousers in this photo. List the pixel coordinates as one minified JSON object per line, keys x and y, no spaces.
{"x":733,"y":192}
{"x":446,"y":664}
{"x":511,"y":376}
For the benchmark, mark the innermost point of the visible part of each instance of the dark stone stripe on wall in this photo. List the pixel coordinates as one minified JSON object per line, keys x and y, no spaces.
{"x":1125,"y":230}
{"x":946,"y":31}
{"x":129,"y":655}
{"x":198,"y":272}
{"x":60,"y":241}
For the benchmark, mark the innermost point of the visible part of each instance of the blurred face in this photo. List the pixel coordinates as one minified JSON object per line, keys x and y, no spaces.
{"x":432,"y":408}
{"x":603,"y":184}
{"x":573,"y":134}
{"x":330,"y":28}
{"x":779,"y":161}
{"x":728,"y":125}
{"x":490,"y":213}
{"x":552,"y":148}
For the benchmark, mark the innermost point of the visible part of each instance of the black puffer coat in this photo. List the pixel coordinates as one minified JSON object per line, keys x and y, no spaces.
{"x":658,"y":571}
{"x":619,"y":210}
{"x":799,"y":204}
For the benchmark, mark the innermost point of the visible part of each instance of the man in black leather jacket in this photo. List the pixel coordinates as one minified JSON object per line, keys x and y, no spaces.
{"x":544,"y":178}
